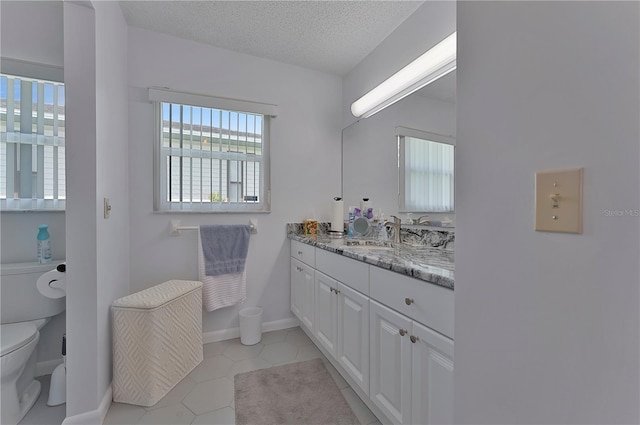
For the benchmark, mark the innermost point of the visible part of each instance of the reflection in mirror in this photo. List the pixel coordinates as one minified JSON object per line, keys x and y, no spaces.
{"x":370,"y":147}
{"x":425,"y":171}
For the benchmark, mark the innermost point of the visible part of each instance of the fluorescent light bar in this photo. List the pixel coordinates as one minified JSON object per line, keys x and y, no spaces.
{"x":433,"y":64}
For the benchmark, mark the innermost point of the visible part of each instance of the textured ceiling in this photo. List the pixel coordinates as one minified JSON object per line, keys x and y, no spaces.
{"x":329,"y":36}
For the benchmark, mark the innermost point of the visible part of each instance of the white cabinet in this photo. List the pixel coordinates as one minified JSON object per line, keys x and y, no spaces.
{"x":390,"y":334}
{"x":296,"y":288}
{"x":326,"y":317}
{"x":431,"y":376}
{"x":302,"y":292}
{"x":411,"y":369}
{"x":353,"y":335}
{"x":390,"y":363}
{"x":342,"y":326}
{"x":303,"y":252}
{"x":431,"y":305}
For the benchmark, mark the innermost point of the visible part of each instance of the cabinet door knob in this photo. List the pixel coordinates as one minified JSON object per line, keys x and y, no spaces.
{"x":402,"y":332}
{"x":337,"y":291}
{"x":299,"y":252}
{"x":331,"y":289}
{"x":414,"y":338}
{"x":408,"y":301}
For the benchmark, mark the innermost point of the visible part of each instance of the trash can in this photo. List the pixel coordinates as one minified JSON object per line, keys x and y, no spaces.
{"x":250,"y":325}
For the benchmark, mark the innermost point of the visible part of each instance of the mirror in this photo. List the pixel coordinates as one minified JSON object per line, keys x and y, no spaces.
{"x":370,"y":156}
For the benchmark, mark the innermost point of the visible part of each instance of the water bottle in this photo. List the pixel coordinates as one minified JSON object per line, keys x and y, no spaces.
{"x":44,"y":244}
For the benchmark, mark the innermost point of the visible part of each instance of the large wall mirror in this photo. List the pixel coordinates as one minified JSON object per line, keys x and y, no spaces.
{"x":372,"y":166}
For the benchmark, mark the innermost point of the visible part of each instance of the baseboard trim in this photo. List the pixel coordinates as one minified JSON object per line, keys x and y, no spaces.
{"x":231,"y":333}
{"x":92,"y":417}
{"x":105,"y":404}
{"x":46,"y":367}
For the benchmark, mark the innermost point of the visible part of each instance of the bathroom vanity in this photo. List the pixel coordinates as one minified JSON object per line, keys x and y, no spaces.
{"x":383,"y":316}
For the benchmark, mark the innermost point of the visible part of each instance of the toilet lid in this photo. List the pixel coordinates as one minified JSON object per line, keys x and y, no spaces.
{"x":16,"y":335}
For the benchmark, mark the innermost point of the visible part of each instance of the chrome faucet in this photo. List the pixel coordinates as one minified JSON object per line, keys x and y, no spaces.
{"x":396,"y":228}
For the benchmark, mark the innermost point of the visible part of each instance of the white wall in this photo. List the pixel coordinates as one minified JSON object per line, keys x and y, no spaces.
{"x":547,"y":325}
{"x":32,"y":32}
{"x":112,"y":174}
{"x":38,"y":54}
{"x":370,"y":149}
{"x":97,"y":167}
{"x":305,"y":163}
{"x":80,"y":86}
{"x":427,"y":26}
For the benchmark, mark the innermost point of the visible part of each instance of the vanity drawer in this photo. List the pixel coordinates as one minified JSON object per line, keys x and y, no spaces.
{"x":351,"y":272}
{"x":429,"y":304}
{"x":303,"y":252}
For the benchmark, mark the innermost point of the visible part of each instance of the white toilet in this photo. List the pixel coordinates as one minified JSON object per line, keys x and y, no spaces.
{"x":24,"y":311}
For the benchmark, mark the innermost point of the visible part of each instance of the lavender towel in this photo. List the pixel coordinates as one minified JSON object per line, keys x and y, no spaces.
{"x":224,"y":248}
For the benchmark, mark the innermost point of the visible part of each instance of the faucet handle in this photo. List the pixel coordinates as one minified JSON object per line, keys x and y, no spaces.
{"x":396,"y":219}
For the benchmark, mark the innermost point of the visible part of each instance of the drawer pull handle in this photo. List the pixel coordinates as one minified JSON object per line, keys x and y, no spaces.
{"x":402,"y":332}
{"x":331,"y":289}
{"x":408,"y":301}
{"x":414,"y":338}
{"x":299,"y":252}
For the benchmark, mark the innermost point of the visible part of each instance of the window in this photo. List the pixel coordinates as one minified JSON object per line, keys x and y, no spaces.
{"x":426,"y":172}
{"x":209,"y":158}
{"x":32,"y":149}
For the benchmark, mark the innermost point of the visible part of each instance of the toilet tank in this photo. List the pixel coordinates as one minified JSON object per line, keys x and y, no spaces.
{"x":20,"y":299}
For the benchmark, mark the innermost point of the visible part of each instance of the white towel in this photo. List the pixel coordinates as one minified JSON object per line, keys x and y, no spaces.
{"x":223,"y":290}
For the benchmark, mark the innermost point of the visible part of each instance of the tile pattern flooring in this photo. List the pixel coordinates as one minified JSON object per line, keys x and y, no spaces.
{"x":205,"y":396}
{"x":40,"y":413}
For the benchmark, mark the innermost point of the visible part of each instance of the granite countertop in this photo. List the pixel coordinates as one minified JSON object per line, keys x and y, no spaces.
{"x":433,"y":265}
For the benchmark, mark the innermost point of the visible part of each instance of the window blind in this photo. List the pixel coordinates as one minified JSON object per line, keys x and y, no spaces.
{"x":32,"y":148}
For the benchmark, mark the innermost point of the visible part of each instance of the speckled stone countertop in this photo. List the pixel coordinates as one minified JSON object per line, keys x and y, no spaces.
{"x":433,"y":265}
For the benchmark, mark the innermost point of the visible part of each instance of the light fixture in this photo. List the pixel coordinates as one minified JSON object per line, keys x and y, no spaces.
{"x":431,"y":65}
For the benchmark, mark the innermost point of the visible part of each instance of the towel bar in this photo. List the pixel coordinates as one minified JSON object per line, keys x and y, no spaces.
{"x":176,"y":228}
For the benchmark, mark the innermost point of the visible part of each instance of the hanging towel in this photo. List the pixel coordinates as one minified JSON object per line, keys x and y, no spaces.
{"x":225,"y":248}
{"x":222,"y":254}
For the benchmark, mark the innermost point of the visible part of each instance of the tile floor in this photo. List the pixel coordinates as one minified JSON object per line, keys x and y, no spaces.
{"x":205,"y":396}
{"x":40,"y":413}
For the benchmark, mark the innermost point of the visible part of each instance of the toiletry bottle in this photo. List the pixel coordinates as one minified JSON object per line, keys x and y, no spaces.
{"x":44,"y":244}
{"x":352,"y":217}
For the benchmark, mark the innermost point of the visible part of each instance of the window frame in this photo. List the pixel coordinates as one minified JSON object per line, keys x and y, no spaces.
{"x":163,"y":205}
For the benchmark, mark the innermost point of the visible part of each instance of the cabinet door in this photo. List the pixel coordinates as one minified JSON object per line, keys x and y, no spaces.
{"x":432,"y":377}
{"x":306,"y":296}
{"x":296,"y":288}
{"x":326,"y":319}
{"x":390,"y":352}
{"x":353,"y":335}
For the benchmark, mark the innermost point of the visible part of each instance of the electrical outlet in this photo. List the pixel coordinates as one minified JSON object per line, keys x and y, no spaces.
{"x":559,"y":201}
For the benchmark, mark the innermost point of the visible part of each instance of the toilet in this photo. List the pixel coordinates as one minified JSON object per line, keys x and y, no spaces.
{"x":23,"y":312}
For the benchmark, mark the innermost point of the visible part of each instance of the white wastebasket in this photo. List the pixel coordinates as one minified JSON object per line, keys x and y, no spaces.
{"x":250,"y":325}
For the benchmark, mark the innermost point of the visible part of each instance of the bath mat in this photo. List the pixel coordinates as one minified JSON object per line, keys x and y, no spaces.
{"x":296,"y":393}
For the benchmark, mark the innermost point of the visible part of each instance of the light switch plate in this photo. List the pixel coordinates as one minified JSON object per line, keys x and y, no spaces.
{"x":559,"y":201}
{"x":107,"y":208}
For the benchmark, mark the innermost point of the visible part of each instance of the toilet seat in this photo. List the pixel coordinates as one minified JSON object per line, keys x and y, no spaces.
{"x":14,"y":336}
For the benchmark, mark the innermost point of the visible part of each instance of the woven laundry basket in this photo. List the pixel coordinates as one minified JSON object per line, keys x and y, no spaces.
{"x":157,"y":340}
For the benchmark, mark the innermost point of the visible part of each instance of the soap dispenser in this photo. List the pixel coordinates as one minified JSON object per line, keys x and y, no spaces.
{"x":44,"y":244}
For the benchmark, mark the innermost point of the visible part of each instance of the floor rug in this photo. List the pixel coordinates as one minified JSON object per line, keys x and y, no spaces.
{"x":296,"y":393}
